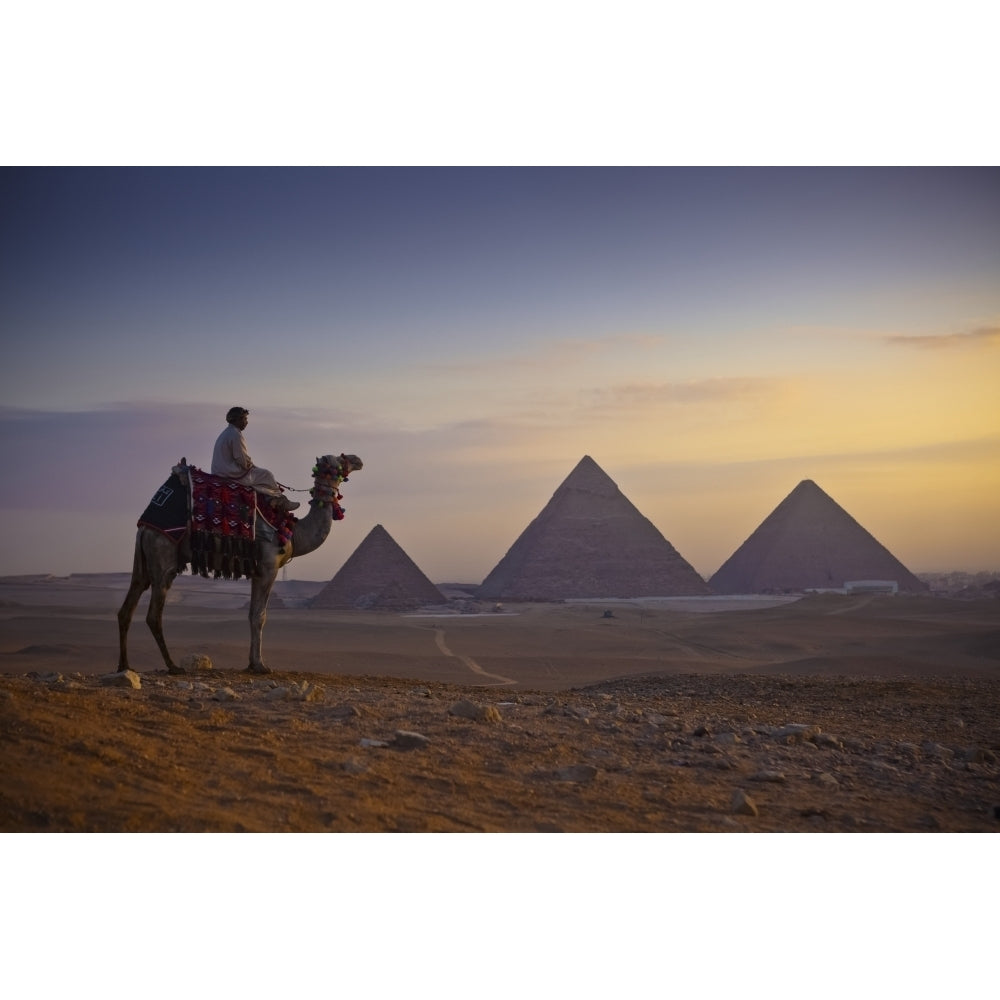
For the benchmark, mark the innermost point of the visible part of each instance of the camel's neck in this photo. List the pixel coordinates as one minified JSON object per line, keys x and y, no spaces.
{"x":311,"y":532}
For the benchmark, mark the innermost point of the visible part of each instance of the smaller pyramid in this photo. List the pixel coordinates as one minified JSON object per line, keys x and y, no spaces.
{"x":590,"y":541}
{"x":378,"y":576}
{"x":809,"y":542}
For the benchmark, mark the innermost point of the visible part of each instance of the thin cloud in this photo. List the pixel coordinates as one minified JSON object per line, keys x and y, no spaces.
{"x":945,"y":341}
{"x":694,"y":392}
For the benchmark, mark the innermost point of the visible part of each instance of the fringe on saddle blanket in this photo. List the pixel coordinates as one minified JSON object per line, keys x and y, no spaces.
{"x":223,"y":515}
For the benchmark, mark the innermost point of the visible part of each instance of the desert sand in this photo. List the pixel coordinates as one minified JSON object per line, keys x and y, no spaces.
{"x":823,"y":713}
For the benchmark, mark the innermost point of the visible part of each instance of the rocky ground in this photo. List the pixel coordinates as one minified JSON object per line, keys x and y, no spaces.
{"x":223,"y":751}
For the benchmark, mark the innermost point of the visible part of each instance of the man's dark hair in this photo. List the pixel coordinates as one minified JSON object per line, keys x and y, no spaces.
{"x":235,"y":413}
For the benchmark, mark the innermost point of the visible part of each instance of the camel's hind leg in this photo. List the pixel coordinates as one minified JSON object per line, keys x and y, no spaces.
{"x":138,"y":586}
{"x":154,"y":566}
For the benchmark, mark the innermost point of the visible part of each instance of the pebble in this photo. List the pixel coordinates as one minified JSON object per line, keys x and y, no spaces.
{"x":828,"y":741}
{"x":345,"y":711}
{"x":195,"y":663}
{"x":742,"y":805}
{"x":795,"y":732}
{"x":225,"y":694}
{"x":773,"y":776}
{"x":125,"y":678}
{"x":466,"y":709}
{"x":368,"y":744}
{"x":407,"y":740}
{"x":827,"y":780}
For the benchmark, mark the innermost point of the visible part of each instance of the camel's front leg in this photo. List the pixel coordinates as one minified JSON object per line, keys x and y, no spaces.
{"x":260,"y":593}
{"x":154,"y":619}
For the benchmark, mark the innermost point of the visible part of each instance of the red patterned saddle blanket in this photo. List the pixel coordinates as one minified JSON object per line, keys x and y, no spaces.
{"x":220,"y":518}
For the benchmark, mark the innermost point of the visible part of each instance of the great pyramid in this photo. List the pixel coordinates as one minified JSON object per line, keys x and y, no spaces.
{"x":590,"y":541}
{"x":378,"y":575}
{"x":809,"y":542}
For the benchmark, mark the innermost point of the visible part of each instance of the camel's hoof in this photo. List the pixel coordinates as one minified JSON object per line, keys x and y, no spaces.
{"x":258,"y":669}
{"x":176,"y":670}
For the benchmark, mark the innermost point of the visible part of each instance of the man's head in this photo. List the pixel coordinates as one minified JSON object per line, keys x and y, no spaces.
{"x":238,"y":415}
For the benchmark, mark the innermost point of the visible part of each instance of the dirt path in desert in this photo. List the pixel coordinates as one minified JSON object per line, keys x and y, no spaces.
{"x":468,"y":661}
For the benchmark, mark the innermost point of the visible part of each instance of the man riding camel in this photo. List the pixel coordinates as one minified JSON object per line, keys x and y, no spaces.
{"x":231,"y":460}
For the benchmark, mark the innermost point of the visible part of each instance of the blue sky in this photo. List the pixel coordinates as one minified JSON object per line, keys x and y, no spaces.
{"x":709,"y":336}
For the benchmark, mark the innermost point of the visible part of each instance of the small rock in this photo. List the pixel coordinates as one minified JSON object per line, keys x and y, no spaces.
{"x":795,"y":732}
{"x":126,"y":678}
{"x":277,"y":694}
{"x":466,"y":709}
{"x":728,"y":739}
{"x":703,"y":731}
{"x":828,"y":741}
{"x":368,"y":744}
{"x":195,"y":663}
{"x":345,"y":711}
{"x":306,"y":692}
{"x":935,"y":750}
{"x":422,"y":692}
{"x":742,"y":805}
{"x":406,"y":740}
{"x":772,"y":776}
{"x":827,"y":780}
{"x":225,"y":694}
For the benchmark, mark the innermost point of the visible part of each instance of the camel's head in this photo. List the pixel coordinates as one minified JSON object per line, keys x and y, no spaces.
{"x":329,"y":472}
{"x":340,"y":466}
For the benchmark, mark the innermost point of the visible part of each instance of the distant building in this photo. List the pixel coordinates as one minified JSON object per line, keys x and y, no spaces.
{"x":871,"y":587}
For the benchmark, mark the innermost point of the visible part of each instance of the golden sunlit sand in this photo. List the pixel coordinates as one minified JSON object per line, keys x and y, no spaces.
{"x":828,"y":712}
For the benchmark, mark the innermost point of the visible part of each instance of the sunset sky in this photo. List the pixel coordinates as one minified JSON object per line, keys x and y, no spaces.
{"x":709,"y":336}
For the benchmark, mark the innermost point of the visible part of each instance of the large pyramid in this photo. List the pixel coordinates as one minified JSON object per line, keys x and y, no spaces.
{"x":378,"y":575}
{"x":590,"y":541}
{"x":809,"y":542}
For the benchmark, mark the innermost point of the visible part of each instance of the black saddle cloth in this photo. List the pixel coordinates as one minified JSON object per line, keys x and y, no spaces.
{"x":168,"y":510}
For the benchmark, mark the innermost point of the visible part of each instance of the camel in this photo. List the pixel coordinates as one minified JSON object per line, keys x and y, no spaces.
{"x":158,"y":560}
